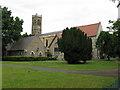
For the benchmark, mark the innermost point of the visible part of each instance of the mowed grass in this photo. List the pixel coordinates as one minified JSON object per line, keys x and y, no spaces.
{"x":20,"y":77}
{"x":0,"y":75}
{"x":90,"y":65}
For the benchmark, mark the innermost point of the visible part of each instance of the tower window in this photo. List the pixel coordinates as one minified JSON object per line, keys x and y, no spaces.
{"x":34,"y":22}
{"x":39,"y":22}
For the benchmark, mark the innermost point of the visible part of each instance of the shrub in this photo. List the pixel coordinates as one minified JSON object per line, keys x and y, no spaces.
{"x":49,"y":54}
{"x":75,"y":45}
{"x":24,"y":58}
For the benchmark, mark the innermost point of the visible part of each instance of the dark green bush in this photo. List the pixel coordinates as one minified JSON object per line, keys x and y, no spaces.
{"x":75,"y":45}
{"x":24,"y":58}
{"x":49,"y":54}
{"x":52,"y":58}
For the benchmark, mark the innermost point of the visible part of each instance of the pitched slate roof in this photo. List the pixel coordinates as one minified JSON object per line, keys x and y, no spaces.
{"x":22,"y":43}
{"x":90,"y":30}
{"x":49,"y":33}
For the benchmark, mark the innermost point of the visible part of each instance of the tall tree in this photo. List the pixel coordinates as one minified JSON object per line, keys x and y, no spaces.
{"x":105,"y":44}
{"x":116,"y":28}
{"x":11,"y":28}
{"x":75,"y":45}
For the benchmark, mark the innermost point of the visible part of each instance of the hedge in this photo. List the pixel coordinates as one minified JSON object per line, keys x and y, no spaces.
{"x":26,"y":58}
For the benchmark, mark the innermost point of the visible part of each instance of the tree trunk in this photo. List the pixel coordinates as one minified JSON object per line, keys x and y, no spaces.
{"x":108,"y":57}
{"x":84,"y":61}
{"x":4,"y":51}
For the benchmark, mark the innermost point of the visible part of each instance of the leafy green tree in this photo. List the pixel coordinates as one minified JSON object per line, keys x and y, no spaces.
{"x":105,"y":44}
{"x":75,"y":45}
{"x":116,"y":28}
{"x":49,"y":54}
{"x":11,"y":28}
{"x":25,"y":35}
{"x":112,"y":48}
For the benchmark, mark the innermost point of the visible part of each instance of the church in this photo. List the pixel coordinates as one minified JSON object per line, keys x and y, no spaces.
{"x":39,"y":44}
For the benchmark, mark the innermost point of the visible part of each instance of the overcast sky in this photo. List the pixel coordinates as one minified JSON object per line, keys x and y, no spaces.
{"x":59,"y":14}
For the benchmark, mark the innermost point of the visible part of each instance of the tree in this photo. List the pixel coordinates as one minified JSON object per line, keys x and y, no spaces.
{"x":11,"y":28}
{"x":109,"y":44}
{"x":49,"y":54}
{"x":25,"y":35}
{"x":75,"y":45}
{"x":116,"y":27}
{"x":105,"y":44}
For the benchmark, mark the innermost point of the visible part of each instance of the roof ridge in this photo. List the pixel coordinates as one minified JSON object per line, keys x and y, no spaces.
{"x":88,"y":24}
{"x":90,"y":29}
{"x":54,"y":32}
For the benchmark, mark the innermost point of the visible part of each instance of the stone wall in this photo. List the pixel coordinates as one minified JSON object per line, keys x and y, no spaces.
{"x":36,"y":46}
{"x":94,"y":49}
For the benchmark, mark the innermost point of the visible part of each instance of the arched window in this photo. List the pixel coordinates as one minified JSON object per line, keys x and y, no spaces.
{"x":32,"y":53}
{"x":39,"y":22}
{"x":34,"y":22}
{"x":40,"y":53}
{"x":46,"y":43}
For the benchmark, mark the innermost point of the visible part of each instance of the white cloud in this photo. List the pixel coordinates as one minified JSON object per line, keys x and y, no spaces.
{"x":59,"y":14}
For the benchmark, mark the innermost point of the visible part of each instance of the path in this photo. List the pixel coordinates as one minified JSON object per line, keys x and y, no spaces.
{"x":108,"y":73}
{"x":118,"y":61}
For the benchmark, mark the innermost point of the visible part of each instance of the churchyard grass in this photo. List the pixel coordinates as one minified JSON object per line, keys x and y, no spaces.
{"x":0,"y":75}
{"x":21,"y":77}
{"x":116,"y":58}
{"x":90,"y":65}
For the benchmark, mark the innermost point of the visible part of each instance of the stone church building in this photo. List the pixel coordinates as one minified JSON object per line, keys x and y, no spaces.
{"x":40,"y":44}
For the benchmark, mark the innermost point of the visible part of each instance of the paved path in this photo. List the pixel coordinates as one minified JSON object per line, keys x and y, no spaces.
{"x":108,"y":73}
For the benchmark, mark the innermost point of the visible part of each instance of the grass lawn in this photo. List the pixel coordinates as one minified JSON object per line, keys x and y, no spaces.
{"x":20,"y":77}
{"x":116,"y":58}
{"x":0,"y":75}
{"x":90,"y":65}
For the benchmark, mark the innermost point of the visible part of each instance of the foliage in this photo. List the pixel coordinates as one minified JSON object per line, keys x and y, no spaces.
{"x":75,"y":45}
{"x":30,"y":35}
{"x":116,"y":27}
{"x":24,"y":58}
{"x":49,"y":54}
{"x":26,"y":35}
{"x":11,"y":28}
{"x":109,"y":44}
{"x":105,"y":44}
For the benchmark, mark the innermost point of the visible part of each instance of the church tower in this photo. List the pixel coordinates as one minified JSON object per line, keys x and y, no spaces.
{"x":118,"y":11}
{"x":36,"y":24}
